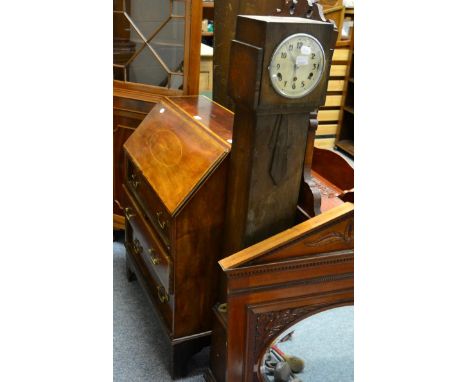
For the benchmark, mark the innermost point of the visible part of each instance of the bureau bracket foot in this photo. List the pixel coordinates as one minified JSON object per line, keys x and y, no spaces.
{"x":181,"y":352}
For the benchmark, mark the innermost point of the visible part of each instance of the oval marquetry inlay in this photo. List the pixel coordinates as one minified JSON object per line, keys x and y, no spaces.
{"x":165,"y":147}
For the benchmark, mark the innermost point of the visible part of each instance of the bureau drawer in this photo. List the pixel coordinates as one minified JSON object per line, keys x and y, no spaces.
{"x":150,"y":202}
{"x":148,"y":247}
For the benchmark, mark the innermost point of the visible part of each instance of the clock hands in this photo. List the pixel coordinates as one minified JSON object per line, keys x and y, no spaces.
{"x":294,"y":77}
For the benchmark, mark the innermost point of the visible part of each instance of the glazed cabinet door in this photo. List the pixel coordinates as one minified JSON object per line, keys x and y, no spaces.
{"x":157,"y":43}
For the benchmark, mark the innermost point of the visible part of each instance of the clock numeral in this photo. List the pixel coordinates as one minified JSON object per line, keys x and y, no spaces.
{"x":285,"y":83}
{"x":283,"y":54}
{"x":310,"y":75}
{"x":302,"y":84}
{"x":291,"y":47}
{"x":312,"y":56}
{"x":293,"y":85}
{"x":315,"y":66}
{"x":299,"y":44}
{"x":278,"y":66}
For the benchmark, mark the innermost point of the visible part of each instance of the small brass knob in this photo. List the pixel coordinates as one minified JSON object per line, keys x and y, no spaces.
{"x":128,"y":213}
{"x":162,"y":224}
{"x":222,"y":308}
{"x":137,"y":248}
{"x":154,"y":257}
{"x":134,"y":181}
{"x":163,"y":297}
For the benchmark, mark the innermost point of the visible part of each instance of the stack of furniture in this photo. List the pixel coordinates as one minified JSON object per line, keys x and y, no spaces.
{"x":201,"y":185}
{"x":329,"y":116}
{"x":174,"y":200}
{"x":206,"y":69}
{"x":208,"y":14}
{"x":345,"y":134}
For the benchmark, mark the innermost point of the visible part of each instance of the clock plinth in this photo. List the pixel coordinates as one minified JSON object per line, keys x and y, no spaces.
{"x":271,"y":124}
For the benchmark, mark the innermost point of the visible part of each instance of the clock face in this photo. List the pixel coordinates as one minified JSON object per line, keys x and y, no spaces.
{"x":297,"y":65}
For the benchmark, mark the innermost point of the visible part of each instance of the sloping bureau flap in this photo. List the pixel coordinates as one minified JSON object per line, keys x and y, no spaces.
{"x":175,"y":152}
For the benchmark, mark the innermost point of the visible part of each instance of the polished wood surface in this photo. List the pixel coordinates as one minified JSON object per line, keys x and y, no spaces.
{"x":141,"y":92}
{"x":173,"y":154}
{"x":285,"y":238}
{"x":212,"y":115}
{"x":131,"y":105}
{"x":334,"y":168}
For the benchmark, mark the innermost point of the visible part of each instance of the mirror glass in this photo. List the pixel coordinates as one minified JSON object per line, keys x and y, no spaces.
{"x":318,"y":348}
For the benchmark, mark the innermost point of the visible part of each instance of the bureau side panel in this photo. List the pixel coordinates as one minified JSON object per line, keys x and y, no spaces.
{"x":198,"y":246}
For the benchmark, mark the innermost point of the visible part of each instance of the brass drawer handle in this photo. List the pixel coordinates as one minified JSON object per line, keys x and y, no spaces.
{"x":162,"y":224}
{"x":128,"y":213}
{"x":137,"y":248}
{"x":163,"y":297}
{"x":154,"y":259}
{"x":222,"y":308}
{"x":134,"y":181}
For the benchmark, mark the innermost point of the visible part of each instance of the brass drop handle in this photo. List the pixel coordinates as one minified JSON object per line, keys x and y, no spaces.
{"x":163,"y":297}
{"x":222,"y":308}
{"x":154,"y":257}
{"x":162,"y":224}
{"x":137,"y":248}
{"x":134,"y":181}
{"x":128,"y":213}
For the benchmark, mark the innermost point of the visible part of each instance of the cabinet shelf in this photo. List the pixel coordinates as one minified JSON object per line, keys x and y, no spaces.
{"x":346,"y":145}
{"x":207,"y":34}
{"x":208,"y":4}
{"x":345,"y":132}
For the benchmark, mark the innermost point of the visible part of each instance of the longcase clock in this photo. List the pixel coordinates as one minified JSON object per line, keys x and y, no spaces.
{"x":278,"y":75}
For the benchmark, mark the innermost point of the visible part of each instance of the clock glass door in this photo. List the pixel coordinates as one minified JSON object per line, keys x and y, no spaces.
{"x":297,"y":65}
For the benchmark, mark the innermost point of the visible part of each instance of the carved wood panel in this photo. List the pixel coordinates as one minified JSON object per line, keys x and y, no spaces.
{"x":265,"y":325}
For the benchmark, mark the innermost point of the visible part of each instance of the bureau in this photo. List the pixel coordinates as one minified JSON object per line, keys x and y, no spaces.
{"x":174,"y":202}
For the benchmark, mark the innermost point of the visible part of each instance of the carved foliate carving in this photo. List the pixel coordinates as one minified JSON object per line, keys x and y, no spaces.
{"x":270,"y":324}
{"x":345,"y":237}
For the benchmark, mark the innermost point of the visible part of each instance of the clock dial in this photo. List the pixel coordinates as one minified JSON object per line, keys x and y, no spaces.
{"x":297,"y":65}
